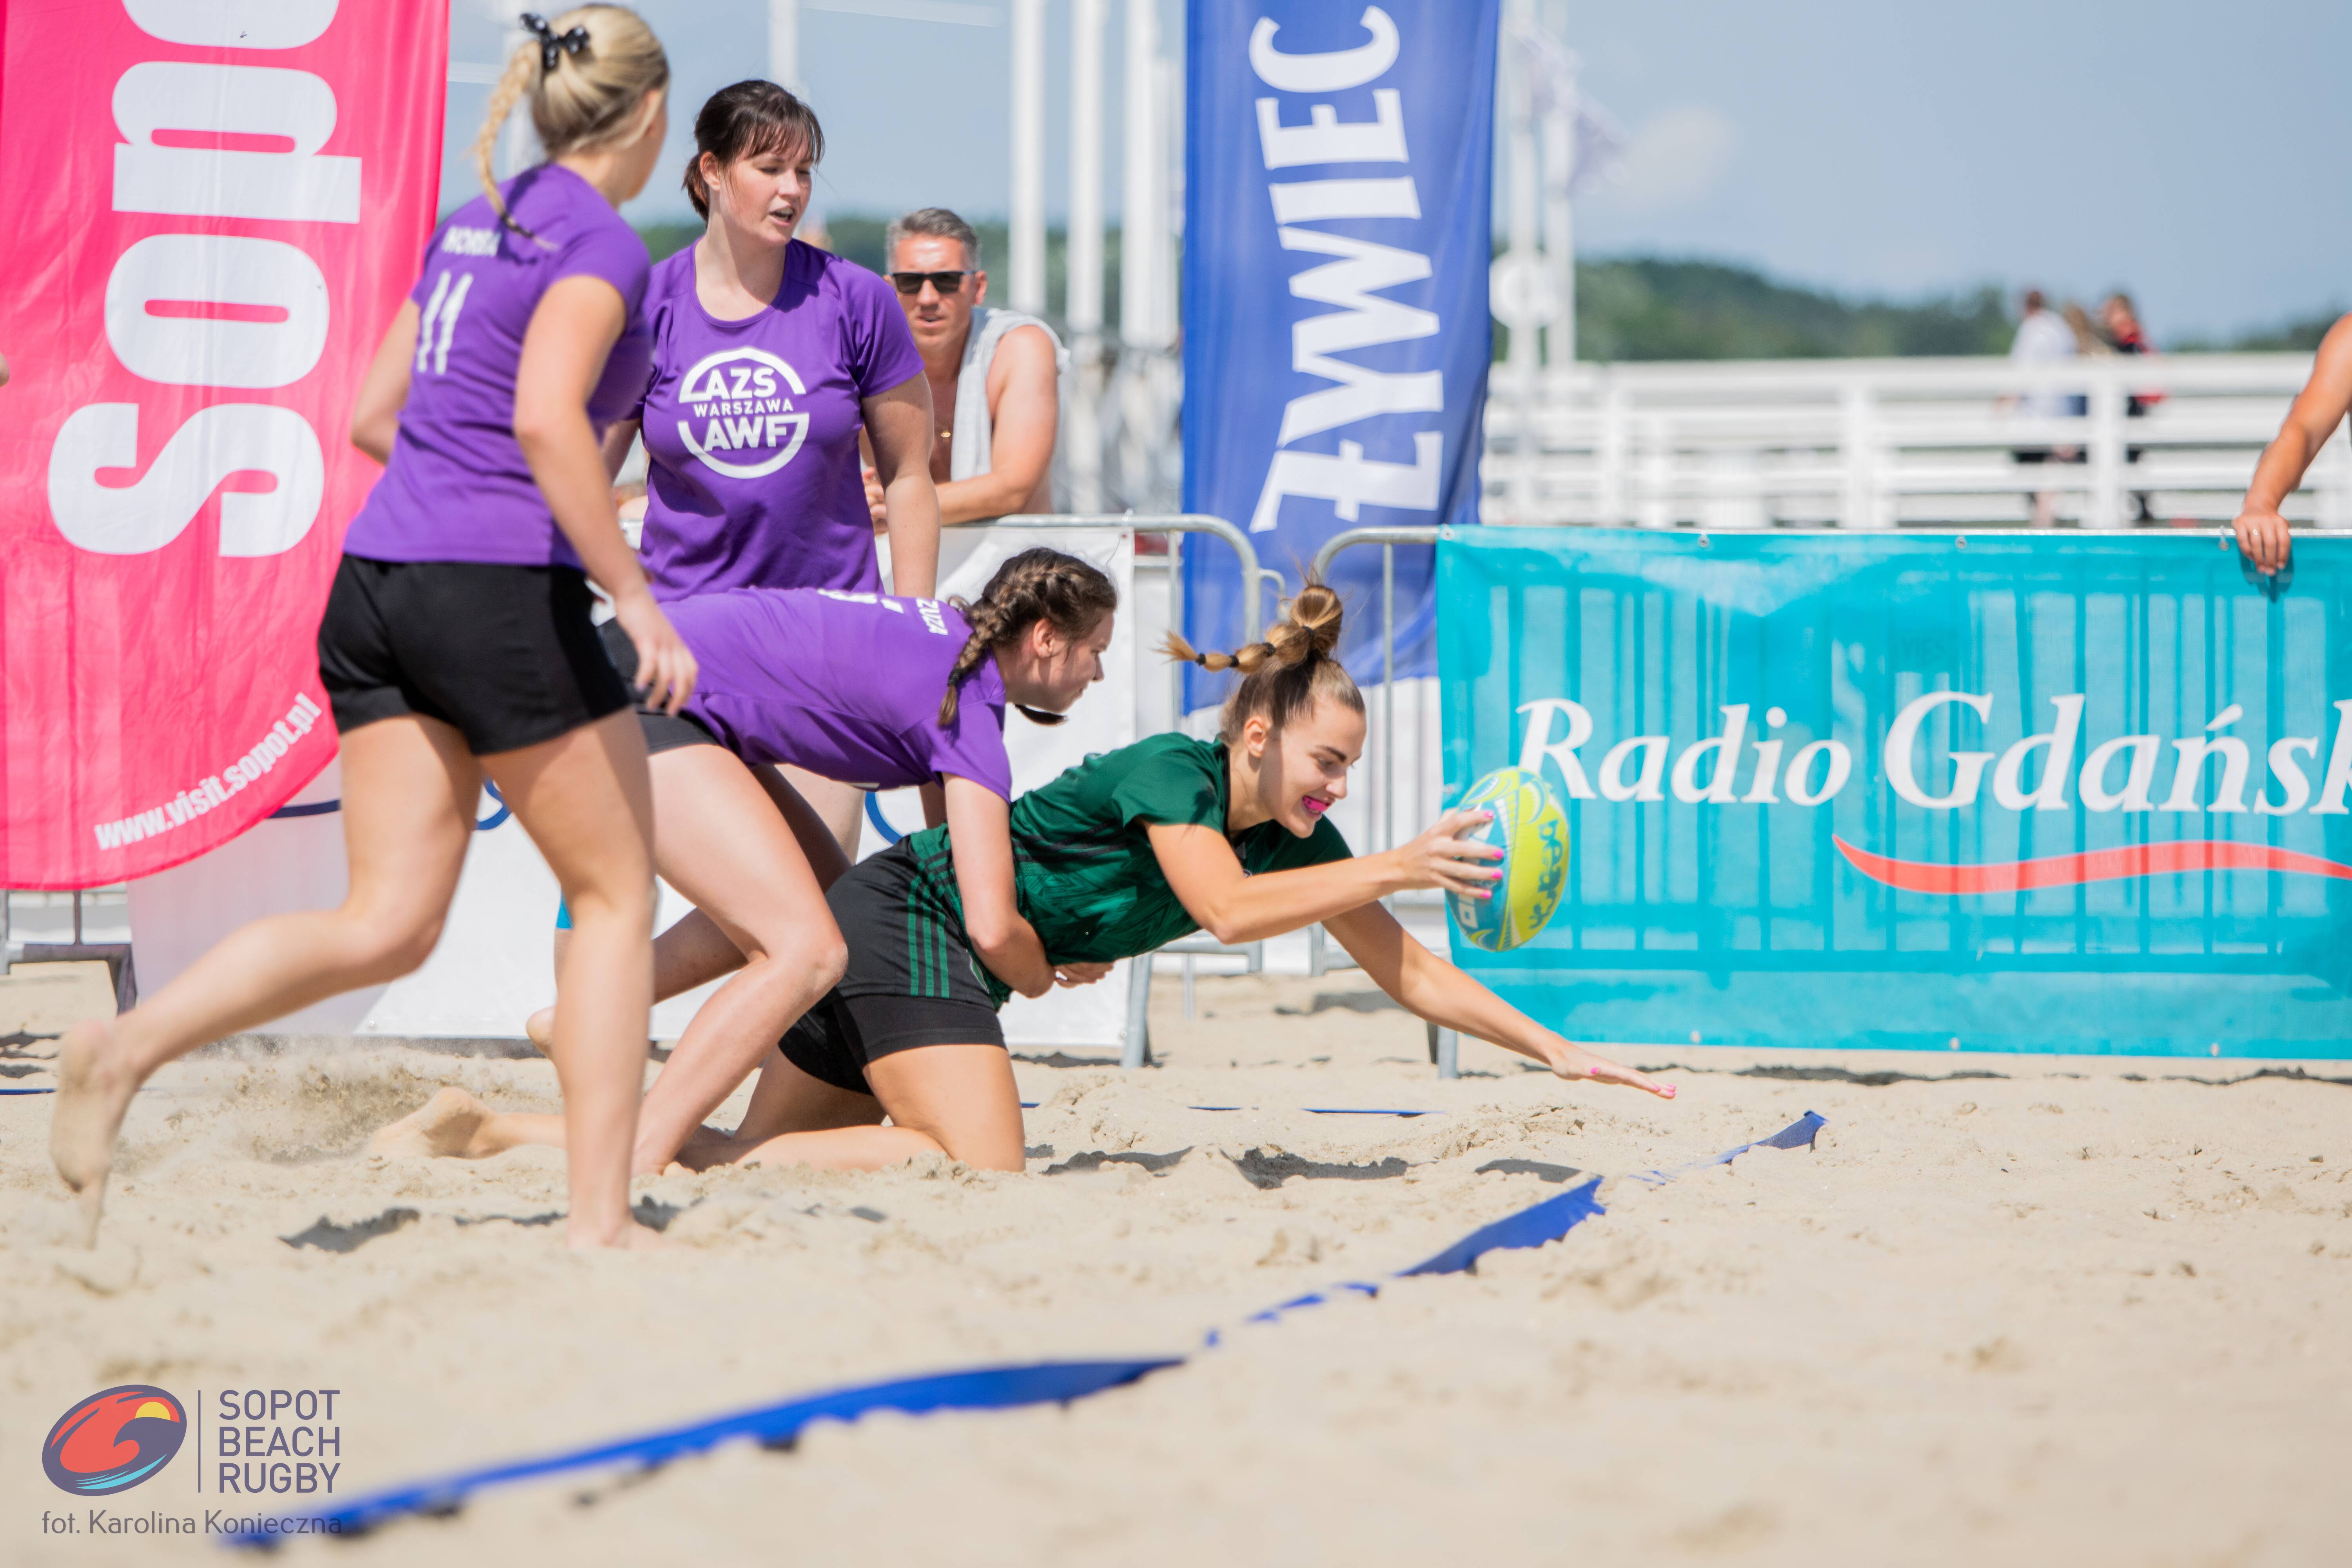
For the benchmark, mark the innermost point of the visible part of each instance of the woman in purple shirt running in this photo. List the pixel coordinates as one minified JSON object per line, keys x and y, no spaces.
{"x":882,"y":692}
{"x":768,"y":357}
{"x":456,"y":639}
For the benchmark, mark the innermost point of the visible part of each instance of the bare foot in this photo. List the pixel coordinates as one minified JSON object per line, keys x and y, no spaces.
{"x":539,"y":1030}
{"x":633,"y":1238}
{"x":705,"y":1147}
{"x":94,"y":1093}
{"x":450,"y":1126}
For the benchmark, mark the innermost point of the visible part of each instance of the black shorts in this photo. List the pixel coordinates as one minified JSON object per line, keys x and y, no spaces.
{"x":913,"y":979}
{"x":2048,"y":454}
{"x":664,"y":731}
{"x":506,"y":655}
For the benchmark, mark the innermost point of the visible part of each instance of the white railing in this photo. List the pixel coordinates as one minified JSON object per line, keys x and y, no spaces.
{"x":1886,"y":442}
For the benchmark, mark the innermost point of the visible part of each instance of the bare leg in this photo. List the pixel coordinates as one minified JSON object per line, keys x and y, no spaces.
{"x":719,"y":842}
{"x":409,"y":787}
{"x":586,"y":801}
{"x":960,"y":1100}
{"x":695,"y":951}
{"x":692,"y":953}
{"x":785,"y":1099}
{"x":841,"y":807}
{"x":815,"y":836}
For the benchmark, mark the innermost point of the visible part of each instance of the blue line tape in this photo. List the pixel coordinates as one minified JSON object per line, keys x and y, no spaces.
{"x":315,"y":808}
{"x":1799,"y":1133}
{"x":28,"y":1091}
{"x":874,"y":814}
{"x":980,"y":1388}
{"x":1547,"y":1221}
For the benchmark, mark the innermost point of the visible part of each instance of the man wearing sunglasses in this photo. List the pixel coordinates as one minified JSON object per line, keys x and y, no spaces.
{"x":994,"y":377}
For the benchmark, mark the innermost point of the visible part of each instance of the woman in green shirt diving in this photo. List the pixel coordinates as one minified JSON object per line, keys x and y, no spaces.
{"x":1118,"y":856}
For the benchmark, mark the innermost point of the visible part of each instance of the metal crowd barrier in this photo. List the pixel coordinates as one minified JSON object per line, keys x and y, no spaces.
{"x":1135,"y":1048}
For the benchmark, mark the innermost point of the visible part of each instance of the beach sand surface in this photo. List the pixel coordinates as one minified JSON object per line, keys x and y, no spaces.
{"x":2006,"y":1310}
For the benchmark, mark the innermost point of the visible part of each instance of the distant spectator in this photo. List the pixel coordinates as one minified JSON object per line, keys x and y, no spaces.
{"x":995,"y":378}
{"x":2043,"y":338}
{"x":2120,"y":319}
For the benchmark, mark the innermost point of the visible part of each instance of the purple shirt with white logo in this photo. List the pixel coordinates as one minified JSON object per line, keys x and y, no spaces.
{"x":846,"y":685}
{"x":752,"y":427}
{"x":456,"y":488}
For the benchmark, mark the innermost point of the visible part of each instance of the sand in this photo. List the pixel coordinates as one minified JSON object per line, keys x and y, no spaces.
{"x":2007,"y":1309}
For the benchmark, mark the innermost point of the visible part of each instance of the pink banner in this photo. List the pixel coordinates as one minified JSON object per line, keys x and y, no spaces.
{"x":215,"y":207}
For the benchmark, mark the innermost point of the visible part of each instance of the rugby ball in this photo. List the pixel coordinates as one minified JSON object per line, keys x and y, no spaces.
{"x":1531,"y":830}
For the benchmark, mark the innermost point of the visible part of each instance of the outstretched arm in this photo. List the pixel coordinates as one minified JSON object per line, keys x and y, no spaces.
{"x":1427,"y":986}
{"x":2317,"y":410}
{"x":1207,"y":878}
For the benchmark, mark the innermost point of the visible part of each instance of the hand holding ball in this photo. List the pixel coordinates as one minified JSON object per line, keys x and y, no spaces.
{"x":1528,"y":826}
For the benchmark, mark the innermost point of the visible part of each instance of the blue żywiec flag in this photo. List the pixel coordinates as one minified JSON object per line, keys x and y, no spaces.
{"x":1337,"y":240}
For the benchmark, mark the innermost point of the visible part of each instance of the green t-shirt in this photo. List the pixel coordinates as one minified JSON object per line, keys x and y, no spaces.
{"x":1083,"y":868}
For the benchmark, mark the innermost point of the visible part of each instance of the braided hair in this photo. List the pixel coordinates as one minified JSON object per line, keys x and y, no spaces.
{"x":1068,"y":594}
{"x":585,"y":76}
{"x":1282,"y":675}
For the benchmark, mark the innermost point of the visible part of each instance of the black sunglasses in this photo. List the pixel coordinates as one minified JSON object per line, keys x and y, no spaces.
{"x":945,"y":282}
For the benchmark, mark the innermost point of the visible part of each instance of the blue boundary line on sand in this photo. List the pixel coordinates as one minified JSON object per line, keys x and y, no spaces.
{"x":977,"y":1388}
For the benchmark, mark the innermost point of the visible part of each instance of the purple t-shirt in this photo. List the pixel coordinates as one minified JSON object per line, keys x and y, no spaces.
{"x":456,"y":488}
{"x":846,"y":685}
{"x":752,"y":428}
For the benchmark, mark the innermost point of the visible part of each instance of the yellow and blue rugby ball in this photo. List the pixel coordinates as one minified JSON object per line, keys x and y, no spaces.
{"x":1531,"y":830}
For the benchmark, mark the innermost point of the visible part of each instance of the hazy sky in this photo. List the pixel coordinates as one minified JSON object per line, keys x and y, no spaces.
{"x":2195,"y":153}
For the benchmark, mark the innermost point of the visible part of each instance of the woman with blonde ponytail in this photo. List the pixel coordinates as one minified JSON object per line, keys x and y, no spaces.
{"x":456,"y":640}
{"x":880,"y":692}
{"x":1120,"y":856}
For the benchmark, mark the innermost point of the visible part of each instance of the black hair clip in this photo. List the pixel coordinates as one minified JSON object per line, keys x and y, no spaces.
{"x":549,"y":44}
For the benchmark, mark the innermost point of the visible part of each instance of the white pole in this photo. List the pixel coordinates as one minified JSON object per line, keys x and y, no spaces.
{"x":1559,"y":236}
{"x":517,"y":137}
{"x":1143,"y":211}
{"x":1518,"y":99}
{"x":784,"y":44}
{"x":1168,"y":80}
{"x":1028,"y":218}
{"x":1559,"y":228}
{"x":1084,"y":304}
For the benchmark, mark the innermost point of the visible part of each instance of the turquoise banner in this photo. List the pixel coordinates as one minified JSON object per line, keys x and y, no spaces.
{"x":2011,"y":792}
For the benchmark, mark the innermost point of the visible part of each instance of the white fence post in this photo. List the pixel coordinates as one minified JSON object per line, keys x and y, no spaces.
{"x":1857,"y":450}
{"x":1611,"y":510}
{"x":2103,"y":507}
